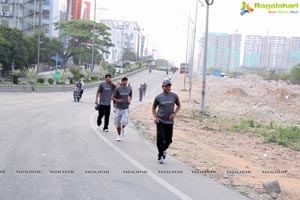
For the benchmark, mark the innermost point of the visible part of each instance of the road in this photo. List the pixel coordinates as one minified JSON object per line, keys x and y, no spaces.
{"x":51,"y":149}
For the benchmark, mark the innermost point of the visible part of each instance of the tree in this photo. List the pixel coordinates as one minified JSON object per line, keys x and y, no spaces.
{"x":14,"y":48}
{"x":295,"y":74}
{"x":129,"y":55}
{"x":1,"y":68}
{"x":49,"y":47}
{"x":80,"y":34}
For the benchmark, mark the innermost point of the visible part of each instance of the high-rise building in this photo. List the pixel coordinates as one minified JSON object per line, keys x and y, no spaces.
{"x":125,"y":35}
{"x":27,"y":15}
{"x":223,"y":51}
{"x":235,"y":52}
{"x":253,"y":51}
{"x":81,"y":9}
{"x":271,"y":52}
{"x":293,"y":52}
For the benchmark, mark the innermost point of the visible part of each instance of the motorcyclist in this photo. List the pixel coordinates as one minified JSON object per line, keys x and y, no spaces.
{"x":79,"y":87}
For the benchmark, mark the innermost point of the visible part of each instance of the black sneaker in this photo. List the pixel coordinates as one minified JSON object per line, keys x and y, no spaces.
{"x":105,"y":129}
{"x":165,"y":154}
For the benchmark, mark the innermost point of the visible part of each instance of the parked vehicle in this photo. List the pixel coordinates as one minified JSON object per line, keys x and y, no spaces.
{"x":184,"y":68}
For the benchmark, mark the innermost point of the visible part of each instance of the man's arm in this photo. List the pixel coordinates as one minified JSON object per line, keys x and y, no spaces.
{"x":154,"y":115}
{"x":177,"y":108}
{"x":114,"y":98}
{"x":97,"y":96}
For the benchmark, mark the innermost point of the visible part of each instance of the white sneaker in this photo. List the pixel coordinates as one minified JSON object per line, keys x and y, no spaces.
{"x":118,"y":138}
{"x":105,"y":130}
{"x":124,"y":133}
{"x":161,"y":160}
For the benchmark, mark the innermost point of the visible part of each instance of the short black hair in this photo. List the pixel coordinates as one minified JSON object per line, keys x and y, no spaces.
{"x":124,"y":78}
{"x":107,"y":75}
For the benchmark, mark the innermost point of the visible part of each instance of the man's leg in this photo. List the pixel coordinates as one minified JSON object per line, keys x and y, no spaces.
{"x":106,"y":116}
{"x":118,"y":123}
{"x":168,"y":136}
{"x":101,"y":113}
{"x":124,"y":121}
{"x":160,"y":133}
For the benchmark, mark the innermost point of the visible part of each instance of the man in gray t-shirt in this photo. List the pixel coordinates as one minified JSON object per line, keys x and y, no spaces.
{"x":122,"y":96}
{"x":105,"y":91}
{"x":164,"y":118}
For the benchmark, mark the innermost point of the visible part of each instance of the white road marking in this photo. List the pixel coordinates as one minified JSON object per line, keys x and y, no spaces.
{"x":152,"y":175}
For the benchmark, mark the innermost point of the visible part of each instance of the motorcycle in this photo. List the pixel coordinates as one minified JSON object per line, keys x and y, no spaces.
{"x":77,"y":94}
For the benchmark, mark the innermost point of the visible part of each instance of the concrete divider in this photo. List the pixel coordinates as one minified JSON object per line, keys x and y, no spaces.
{"x":58,"y":88}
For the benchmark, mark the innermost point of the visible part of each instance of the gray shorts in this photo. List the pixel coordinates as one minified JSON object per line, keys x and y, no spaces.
{"x":121,"y":117}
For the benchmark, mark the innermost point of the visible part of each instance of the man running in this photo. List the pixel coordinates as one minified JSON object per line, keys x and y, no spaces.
{"x":164,"y":118}
{"x":105,"y":91}
{"x":122,"y":96}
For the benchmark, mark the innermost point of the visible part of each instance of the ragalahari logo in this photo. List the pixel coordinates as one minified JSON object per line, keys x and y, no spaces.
{"x":246,"y":8}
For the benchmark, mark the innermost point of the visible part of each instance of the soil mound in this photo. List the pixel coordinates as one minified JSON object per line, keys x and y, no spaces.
{"x":236,"y":92}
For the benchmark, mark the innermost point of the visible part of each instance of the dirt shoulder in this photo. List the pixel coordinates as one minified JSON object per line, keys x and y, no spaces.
{"x":240,"y":160}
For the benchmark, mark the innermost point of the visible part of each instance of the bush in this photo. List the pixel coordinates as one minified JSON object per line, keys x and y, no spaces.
{"x":31,"y":74}
{"x":295,"y":75}
{"x":40,"y":80}
{"x":15,"y":76}
{"x":94,"y":78}
{"x":50,"y":81}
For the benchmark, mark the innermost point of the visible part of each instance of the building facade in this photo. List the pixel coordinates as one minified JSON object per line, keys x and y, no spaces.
{"x":223,"y":51}
{"x":27,"y":15}
{"x":81,"y":9}
{"x":293,"y":52}
{"x":271,"y":52}
{"x":253,"y":51}
{"x":125,"y":35}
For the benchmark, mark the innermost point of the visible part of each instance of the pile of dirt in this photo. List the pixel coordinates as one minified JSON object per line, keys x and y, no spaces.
{"x":236,"y":92}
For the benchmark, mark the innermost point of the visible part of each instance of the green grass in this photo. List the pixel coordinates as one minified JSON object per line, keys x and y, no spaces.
{"x":285,"y":135}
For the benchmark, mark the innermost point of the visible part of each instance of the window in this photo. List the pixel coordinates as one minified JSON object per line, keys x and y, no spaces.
{"x":5,"y":8}
{"x":46,"y":14}
{"x":46,"y":28}
{"x":4,"y":22}
{"x":46,"y":2}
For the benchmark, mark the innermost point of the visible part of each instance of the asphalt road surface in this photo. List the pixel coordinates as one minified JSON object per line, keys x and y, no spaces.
{"x":51,"y":149}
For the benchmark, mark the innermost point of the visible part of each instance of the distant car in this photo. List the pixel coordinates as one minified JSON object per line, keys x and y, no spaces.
{"x":118,"y":64}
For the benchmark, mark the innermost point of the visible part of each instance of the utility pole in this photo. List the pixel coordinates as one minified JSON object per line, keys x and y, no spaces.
{"x":93,"y":48}
{"x":34,"y":16}
{"x":39,"y":35}
{"x":138,"y":44}
{"x":205,"y":58}
{"x":186,"y":52}
{"x":193,"y":51}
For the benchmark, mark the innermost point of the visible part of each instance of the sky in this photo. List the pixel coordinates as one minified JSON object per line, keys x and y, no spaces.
{"x":165,"y":22}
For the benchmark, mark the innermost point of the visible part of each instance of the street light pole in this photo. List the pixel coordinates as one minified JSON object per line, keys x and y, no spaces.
{"x":205,"y":57}
{"x":138,"y":43}
{"x":186,"y":52}
{"x":39,"y":35}
{"x":192,"y":54}
{"x":93,"y":48}
{"x":193,"y":51}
